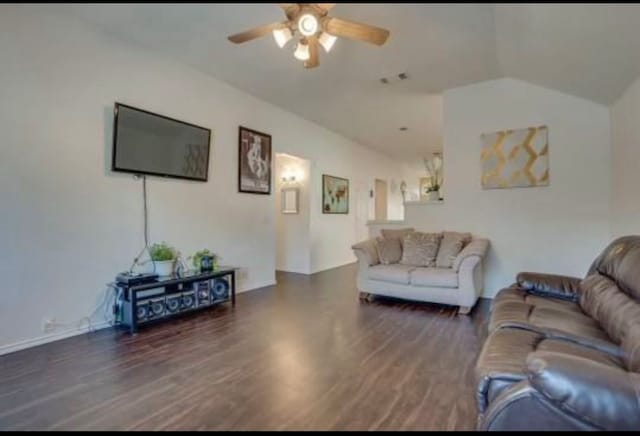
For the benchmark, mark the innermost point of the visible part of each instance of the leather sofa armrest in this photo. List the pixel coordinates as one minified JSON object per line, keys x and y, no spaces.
{"x":604,"y":396}
{"x":550,"y":285}
{"x":477,"y":247}
{"x":367,"y":252}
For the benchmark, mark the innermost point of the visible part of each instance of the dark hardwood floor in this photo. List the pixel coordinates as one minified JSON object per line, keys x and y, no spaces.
{"x":306,"y":354}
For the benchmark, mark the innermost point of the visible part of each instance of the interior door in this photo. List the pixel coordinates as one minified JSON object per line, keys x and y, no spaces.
{"x":381,"y":200}
{"x":362,"y":201}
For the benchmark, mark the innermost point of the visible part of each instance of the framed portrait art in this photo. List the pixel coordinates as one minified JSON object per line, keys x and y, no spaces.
{"x":335,"y":194}
{"x":254,"y":162}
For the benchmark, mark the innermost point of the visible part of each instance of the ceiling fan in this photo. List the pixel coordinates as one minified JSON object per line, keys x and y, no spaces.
{"x":316,"y":28}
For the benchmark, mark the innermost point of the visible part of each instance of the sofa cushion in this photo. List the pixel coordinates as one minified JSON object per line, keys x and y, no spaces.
{"x":518,"y":295}
{"x":420,"y":249}
{"x":396,"y":233}
{"x":437,"y":277}
{"x":451,"y":245}
{"x":395,"y":273}
{"x":613,"y":309}
{"x":619,"y":262}
{"x":502,"y":361}
{"x":545,"y":318}
{"x":389,"y":250}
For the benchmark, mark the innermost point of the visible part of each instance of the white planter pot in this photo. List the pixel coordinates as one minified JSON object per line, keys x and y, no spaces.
{"x":164,"y":268}
{"x":434,"y":196}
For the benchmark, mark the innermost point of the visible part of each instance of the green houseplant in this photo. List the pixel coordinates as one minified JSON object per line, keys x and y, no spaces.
{"x":163,"y":256}
{"x":208,"y":256}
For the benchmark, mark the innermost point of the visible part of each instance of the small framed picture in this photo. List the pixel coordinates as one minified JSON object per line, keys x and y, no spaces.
{"x":254,"y":162}
{"x":289,"y":201}
{"x":335,"y":195}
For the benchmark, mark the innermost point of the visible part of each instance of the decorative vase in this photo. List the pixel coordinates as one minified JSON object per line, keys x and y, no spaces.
{"x":434,"y":195}
{"x":164,"y":267}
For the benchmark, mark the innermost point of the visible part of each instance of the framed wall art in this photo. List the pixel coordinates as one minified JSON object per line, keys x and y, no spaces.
{"x":517,"y":158}
{"x":335,"y":195}
{"x":254,"y":162}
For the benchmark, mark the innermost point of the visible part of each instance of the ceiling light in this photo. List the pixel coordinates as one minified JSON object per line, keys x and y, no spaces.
{"x":326,"y":41}
{"x":282,"y":36}
{"x":302,"y":51}
{"x":308,"y":24}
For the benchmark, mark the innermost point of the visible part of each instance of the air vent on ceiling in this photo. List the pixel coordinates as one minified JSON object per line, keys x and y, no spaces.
{"x":396,"y":78}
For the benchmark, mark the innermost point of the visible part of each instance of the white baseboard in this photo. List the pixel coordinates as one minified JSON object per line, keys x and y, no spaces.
{"x":254,"y":286}
{"x":56,"y":336}
{"x":28,"y":343}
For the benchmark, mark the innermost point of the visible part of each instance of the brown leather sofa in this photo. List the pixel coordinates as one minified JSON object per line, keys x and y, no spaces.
{"x":563,"y":353}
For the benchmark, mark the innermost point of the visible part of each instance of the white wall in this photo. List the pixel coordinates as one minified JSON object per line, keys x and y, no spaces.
{"x":293,"y":231}
{"x":69,"y":224}
{"x":555,"y":229}
{"x":625,"y":192}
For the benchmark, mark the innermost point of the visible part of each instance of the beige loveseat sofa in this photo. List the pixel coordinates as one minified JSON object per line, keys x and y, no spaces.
{"x":459,"y":285}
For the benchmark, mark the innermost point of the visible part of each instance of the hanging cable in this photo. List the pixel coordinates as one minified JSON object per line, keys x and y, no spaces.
{"x":136,"y":261}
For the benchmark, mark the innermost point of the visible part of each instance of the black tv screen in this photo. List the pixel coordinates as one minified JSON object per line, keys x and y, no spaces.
{"x":148,"y":143}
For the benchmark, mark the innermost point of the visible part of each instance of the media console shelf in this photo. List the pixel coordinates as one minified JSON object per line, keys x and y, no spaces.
{"x":166,"y":297}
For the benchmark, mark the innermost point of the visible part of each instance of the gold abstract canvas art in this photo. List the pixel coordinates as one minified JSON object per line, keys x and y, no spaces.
{"x":516,"y":158}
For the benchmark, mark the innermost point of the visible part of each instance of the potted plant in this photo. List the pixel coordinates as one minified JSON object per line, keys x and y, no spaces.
{"x":204,"y":260}
{"x":434,"y":169}
{"x":163,"y":256}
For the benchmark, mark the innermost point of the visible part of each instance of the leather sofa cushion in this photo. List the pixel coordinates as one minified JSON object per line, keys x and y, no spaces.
{"x":619,"y":262}
{"x":602,"y":299}
{"x":394,"y":273}
{"x":437,"y":277}
{"x":420,"y":249}
{"x":523,"y":315}
{"x":502,"y":361}
{"x":519,"y":295}
{"x":389,"y":250}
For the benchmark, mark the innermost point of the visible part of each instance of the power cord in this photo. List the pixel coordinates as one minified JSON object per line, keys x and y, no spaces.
{"x":113,"y":293}
{"x":109,"y":298}
{"x":136,"y":260}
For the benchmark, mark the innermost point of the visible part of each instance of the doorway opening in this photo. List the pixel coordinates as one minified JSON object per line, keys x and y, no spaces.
{"x":293,"y":229}
{"x":381,"y":208}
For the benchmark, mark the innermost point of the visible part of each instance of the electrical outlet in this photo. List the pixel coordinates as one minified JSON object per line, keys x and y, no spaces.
{"x":48,"y":324}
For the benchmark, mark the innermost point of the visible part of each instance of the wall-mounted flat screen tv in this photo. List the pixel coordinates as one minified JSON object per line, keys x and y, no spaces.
{"x":148,"y":143}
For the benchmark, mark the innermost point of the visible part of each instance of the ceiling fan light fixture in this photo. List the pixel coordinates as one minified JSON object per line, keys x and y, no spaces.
{"x":308,"y":24}
{"x":282,"y":36}
{"x":302,"y":51}
{"x":326,"y":41}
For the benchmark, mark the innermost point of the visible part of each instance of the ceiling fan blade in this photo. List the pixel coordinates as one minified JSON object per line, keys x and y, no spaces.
{"x":290,"y":9}
{"x":353,"y":30}
{"x":313,"y":60}
{"x":254,"y":33}
{"x":323,"y":8}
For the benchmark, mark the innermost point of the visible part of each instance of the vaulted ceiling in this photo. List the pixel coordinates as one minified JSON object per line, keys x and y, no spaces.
{"x":591,"y":51}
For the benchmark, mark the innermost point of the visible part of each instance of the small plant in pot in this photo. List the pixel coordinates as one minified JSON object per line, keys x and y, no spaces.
{"x":163,"y":256}
{"x":204,"y":260}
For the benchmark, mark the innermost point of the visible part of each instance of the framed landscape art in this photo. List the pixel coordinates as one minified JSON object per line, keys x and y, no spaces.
{"x":335,"y":195}
{"x":254,"y":162}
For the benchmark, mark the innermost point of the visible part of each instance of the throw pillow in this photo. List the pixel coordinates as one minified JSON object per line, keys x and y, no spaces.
{"x":420,"y":249}
{"x":389,"y":250}
{"x":451,"y":245}
{"x":396,"y":233}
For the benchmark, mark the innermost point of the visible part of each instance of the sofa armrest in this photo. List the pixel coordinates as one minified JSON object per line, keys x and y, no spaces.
{"x":604,"y":396}
{"x":367,"y":252}
{"x":550,"y":285}
{"x":477,"y":247}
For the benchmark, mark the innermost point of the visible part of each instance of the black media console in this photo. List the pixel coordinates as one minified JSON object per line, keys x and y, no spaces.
{"x":165,"y":297}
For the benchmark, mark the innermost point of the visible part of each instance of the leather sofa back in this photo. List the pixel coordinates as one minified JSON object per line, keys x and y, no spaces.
{"x":620,"y":262}
{"x":611,"y":295}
